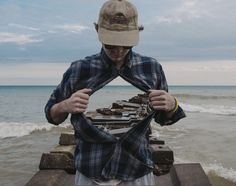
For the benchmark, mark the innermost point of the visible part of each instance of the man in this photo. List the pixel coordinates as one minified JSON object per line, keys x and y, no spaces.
{"x":100,"y":158}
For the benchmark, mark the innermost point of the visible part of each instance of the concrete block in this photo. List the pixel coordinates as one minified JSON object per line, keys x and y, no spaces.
{"x":191,"y":174}
{"x":162,"y":154}
{"x":67,"y":138}
{"x":161,"y":169}
{"x":164,"y":180}
{"x":153,"y":140}
{"x":52,"y":178}
{"x":69,"y":150}
{"x":57,"y":161}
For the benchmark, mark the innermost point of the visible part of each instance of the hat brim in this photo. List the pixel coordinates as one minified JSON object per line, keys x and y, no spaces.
{"x":119,"y":38}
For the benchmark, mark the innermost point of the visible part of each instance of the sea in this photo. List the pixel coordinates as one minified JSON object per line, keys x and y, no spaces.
{"x":206,"y":136}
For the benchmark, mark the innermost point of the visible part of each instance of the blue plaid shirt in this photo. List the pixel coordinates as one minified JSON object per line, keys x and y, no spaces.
{"x":99,"y":155}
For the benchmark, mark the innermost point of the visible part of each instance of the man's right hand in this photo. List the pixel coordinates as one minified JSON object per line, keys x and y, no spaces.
{"x":78,"y":102}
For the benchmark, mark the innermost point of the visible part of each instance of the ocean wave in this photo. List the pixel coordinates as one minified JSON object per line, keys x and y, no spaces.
{"x":201,"y":96}
{"x":14,"y":129}
{"x":214,"y":168}
{"x":212,"y":109}
{"x":217,"y":169}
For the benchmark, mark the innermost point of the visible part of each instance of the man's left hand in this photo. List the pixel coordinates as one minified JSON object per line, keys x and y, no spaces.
{"x":161,"y":100}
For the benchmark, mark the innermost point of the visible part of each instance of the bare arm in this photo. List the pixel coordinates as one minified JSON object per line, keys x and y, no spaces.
{"x":77,"y":103}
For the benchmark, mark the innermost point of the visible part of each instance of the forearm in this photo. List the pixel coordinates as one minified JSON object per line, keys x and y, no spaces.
{"x":58,"y":112}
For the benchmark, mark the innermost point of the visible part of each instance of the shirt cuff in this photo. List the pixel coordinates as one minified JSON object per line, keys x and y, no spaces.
{"x":161,"y":118}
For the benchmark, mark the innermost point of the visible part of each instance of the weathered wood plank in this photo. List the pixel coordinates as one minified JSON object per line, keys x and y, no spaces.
{"x":119,"y":132}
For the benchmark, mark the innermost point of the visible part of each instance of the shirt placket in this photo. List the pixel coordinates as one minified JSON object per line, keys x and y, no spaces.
{"x":92,"y":134}
{"x":128,"y":145}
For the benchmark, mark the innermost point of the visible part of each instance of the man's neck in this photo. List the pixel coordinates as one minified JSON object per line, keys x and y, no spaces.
{"x":119,"y":64}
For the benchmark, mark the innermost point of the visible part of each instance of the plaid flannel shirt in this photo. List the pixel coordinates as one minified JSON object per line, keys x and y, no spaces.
{"x":99,"y":155}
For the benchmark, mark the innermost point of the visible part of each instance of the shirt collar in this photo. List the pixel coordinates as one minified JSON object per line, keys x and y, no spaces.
{"x":108,"y":62}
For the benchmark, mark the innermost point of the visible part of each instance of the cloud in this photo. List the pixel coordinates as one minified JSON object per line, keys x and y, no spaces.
{"x":73,"y":28}
{"x":31,"y":73}
{"x":191,"y":29}
{"x":168,"y":19}
{"x":20,"y":39}
{"x":174,"y":29}
{"x":23,"y":27}
{"x":187,"y":10}
{"x":220,"y":72}
{"x":177,"y":73}
{"x":203,"y":66}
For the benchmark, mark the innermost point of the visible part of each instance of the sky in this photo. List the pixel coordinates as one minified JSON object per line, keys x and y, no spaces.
{"x":194,"y":40}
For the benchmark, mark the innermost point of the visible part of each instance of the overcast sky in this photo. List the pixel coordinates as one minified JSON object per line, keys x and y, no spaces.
{"x":194,"y":40}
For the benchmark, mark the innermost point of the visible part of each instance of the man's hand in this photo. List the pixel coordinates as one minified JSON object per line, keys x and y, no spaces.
{"x":78,"y":102}
{"x":161,"y":100}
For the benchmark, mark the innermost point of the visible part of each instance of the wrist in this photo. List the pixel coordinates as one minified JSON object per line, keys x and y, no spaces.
{"x":58,"y":113}
{"x":176,"y":106}
{"x":63,"y":107}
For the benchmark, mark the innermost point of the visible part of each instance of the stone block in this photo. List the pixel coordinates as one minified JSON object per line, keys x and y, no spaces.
{"x":153,"y":140}
{"x":162,"y":154}
{"x":191,"y":174}
{"x":52,"y":178}
{"x":57,"y":161}
{"x":67,"y":138}
{"x":69,"y":150}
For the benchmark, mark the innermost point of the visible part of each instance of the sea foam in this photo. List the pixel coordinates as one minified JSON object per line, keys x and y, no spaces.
{"x":211,"y":109}
{"x":227,"y":173}
{"x":14,"y":129}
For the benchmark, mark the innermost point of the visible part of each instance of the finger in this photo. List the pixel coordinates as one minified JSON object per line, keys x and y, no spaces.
{"x":83,"y":97}
{"x":158,"y":98}
{"x":81,"y":106}
{"x":160,"y":107}
{"x":86,"y":90}
{"x":83,"y":101}
{"x":158,"y":103}
{"x":155,"y":92}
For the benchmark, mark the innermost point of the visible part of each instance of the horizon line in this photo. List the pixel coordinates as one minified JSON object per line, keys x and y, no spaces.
{"x":210,"y":85}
